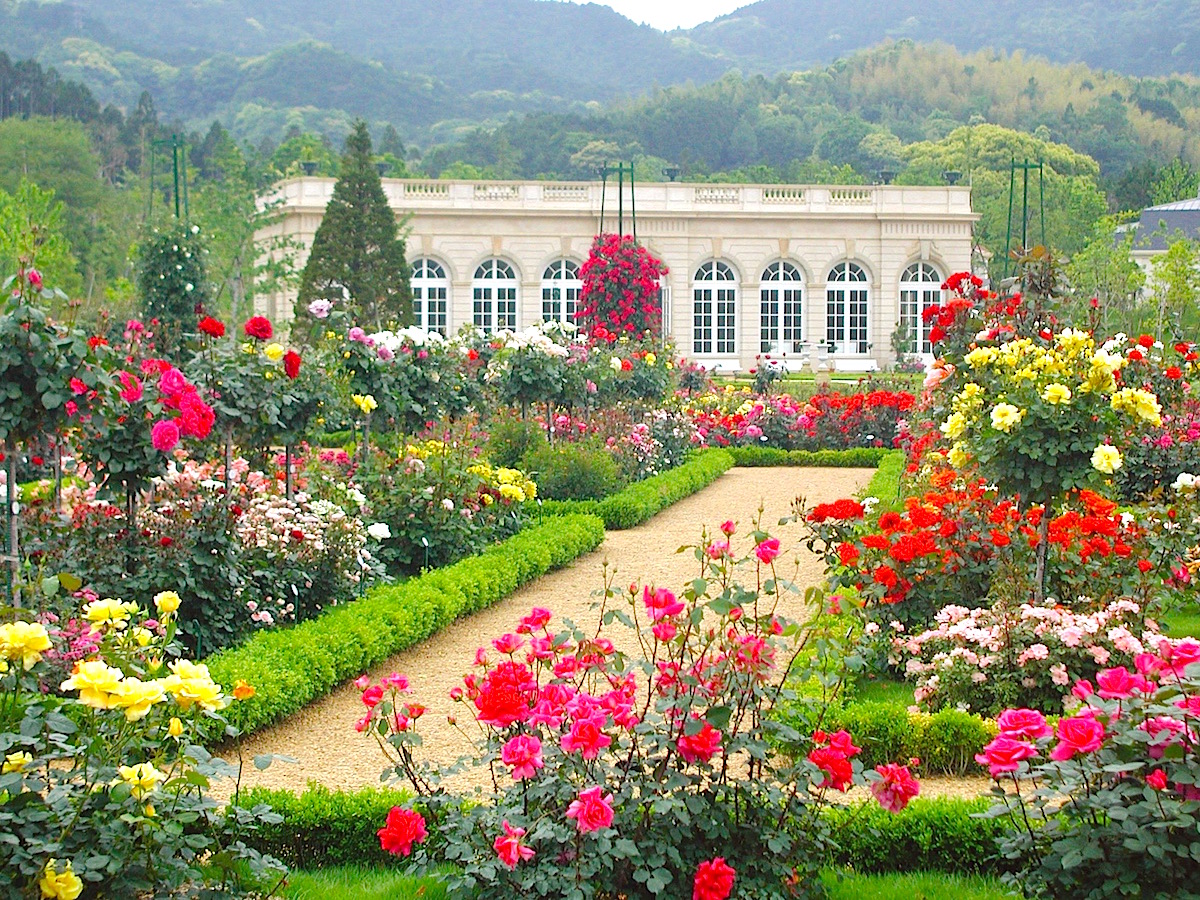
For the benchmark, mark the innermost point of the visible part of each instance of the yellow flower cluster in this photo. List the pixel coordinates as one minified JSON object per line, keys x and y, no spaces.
{"x":365,"y":403}
{"x":102,"y":686}
{"x":1106,"y":459}
{"x":24,"y":642}
{"x":512,"y":484}
{"x":109,"y":614}
{"x":1005,"y":416}
{"x":141,"y":778}
{"x":1138,"y":402}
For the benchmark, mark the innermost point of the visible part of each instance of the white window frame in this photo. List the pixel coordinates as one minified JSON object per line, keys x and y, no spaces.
{"x":561,"y":290}
{"x":431,"y":295}
{"x":714,"y":310}
{"x":495,"y":292}
{"x":920,"y":288}
{"x":847,"y":310}
{"x":781,"y":308}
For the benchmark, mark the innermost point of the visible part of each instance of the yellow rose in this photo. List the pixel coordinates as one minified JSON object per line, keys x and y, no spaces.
{"x":1106,"y":459}
{"x":166,"y":602}
{"x":16,"y":762}
{"x":1057,"y":394}
{"x":136,"y":697}
{"x":24,"y":641}
{"x":142,"y":778}
{"x":954,"y":426}
{"x":1140,"y":403}
{"x":365,"y":402}
{"x":97,"y":683}
{"x":273,"y":352}
{"x":107,"y":613}
{"x":958,"y":456}
{"x":190,"y":684}
{"x":56,"y":885}
{"x":175,"y":727}
{"x":651,"y":359}
{"x":1005,"y":416}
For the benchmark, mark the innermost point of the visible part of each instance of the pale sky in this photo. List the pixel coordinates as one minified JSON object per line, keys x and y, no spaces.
{"x":669,"y":14}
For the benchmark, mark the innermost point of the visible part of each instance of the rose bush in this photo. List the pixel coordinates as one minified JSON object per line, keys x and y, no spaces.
{"x":627,"y":774}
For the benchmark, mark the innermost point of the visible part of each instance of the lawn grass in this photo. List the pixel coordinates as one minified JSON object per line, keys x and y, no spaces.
{"x":883,"y":690}
{"x":1185,"y":623}
{"x":914,"y":886}
{"x":362,"y":883}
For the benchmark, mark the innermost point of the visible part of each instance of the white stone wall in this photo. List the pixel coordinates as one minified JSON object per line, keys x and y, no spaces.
{"x":531,"y":224}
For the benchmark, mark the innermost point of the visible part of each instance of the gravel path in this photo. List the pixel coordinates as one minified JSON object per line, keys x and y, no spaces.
{"x":321,"y":737}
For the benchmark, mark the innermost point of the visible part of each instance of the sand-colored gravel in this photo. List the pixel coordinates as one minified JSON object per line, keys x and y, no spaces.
{"x":322,"y":738}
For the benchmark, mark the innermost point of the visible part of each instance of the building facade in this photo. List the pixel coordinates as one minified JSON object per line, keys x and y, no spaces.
{"x":807,"y":274}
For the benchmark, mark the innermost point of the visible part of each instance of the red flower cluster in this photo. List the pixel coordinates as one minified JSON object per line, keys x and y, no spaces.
{"x":404,"y":828}
{"x":832,"y":755}
{"x":619,"y":296}
{"x":714,"y":880}
{"x":212,"y":327}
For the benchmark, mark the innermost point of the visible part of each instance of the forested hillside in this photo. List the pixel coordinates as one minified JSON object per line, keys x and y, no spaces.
{"x":1137,"y":37}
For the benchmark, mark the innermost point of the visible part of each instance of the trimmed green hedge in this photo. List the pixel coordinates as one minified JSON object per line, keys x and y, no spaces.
{"x":332,"y":439}
{"x":946,"y":741}
{"x":644,"y":499}
{"x":931,"y":835}
{"x":329,"y":828}
{"x":885,"y":484}
{"x":289,"y":668}
{"x":855,"y":457}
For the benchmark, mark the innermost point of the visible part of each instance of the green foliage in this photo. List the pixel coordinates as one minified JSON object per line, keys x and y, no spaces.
{"x":936,"y":835}
{"x":853,"y":458}
{"x":357,"y":256}
{"x":291,"y":668}
{"x":173,"y":284}
{"x":886,"y":485}
{"x":1104,"y":268}
{"x":569,"y":471}
{"x":1177,"y":180}
{"x":32,"y":213}
{"x":511,"y":437}
{"x":356,"y":882}
{"x":1175,"y":283}
{"x":643,"y":499}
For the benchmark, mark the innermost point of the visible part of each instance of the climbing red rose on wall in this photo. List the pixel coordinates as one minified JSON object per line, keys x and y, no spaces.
{"x":620,"y":294}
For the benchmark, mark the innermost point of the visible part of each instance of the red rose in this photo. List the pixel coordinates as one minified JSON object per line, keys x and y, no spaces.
{"x":1080,"y":734}
{"x":404,"y":828}
{"x":212,"y":327}
{"x":291,"y":363}
{"x":258,"y":327}
{"x":1005,"y":754}
{"x":714,"y":880}
{"x":505,"y":695}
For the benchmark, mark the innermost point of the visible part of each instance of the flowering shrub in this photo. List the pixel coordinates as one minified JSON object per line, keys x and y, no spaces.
{"x":1107,"y":803}
{"x":440,"y":503}
{"x":828,"y":420}
{"x":620,"y":289}
{"x":104,"y":788}
{"x":983,"y":660}
{"x":629,"y":775}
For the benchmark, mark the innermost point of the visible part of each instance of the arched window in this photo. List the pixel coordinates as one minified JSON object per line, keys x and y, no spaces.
{"x":781,"y":294}
{"x":430,"y":290}
{"x":560,"y":291}
{"x":846,"y":309}
{"x":714,"y":309}
{"x":494,"y":296}
{"x":920,"y":288}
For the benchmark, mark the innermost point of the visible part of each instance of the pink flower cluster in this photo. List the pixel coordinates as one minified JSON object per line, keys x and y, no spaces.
{"x":1120,"y":699}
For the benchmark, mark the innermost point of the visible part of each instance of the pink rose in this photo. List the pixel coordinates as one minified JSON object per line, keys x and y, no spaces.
{"x":1079,"y":734}
{"x":664,"y":631}
{"x":587,"y":736}
{"x":508,"y":644}
{"x":592,"y":810}
{"x":728,"y":528}
{"x":132,"y":387}
{"x":1157,"y":780}
{"x":35,"y":279}
{"x":701,"y":746}
{"x":1005,"y":754}
{"x":164,"y":435}
{"x":1118,"y":683}
{"x":717,"y":549}
{"x":172,"y":382}
{"x":372,"y":695}
{"x":1023,"y":723}
{"x":404,"y":828}
{"x":661,"y":603}
{"x":767,"y":550}
{"x":522,"y":754}
{"x":509,"y":848}
{"x":895,"y":787}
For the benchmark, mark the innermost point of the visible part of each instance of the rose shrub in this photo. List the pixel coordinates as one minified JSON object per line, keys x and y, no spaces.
{"x":620,"y":293}
{"x":104,"y":786}
{"x":627,"y":774}
{"x":1107,"y":804}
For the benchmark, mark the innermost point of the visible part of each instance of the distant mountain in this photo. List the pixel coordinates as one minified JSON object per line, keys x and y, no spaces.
{"x":436,"y":68}
{"x":1135,"y":37}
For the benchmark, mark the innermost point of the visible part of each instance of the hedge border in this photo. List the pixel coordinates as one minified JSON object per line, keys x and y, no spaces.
{"x":642,"y":500}
{"x":322,"y":827}
{"x":850,"y":458}
{"x":289,"y":668}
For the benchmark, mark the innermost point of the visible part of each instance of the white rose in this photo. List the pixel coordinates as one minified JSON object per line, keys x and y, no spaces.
{"x":379,"y":531}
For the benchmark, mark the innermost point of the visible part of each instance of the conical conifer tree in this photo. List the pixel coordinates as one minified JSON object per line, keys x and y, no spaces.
{"x":357,"y":255}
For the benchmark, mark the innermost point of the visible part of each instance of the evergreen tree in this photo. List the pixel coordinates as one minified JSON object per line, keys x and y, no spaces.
{"x":173,"y":284}
{"x":357,"y":255}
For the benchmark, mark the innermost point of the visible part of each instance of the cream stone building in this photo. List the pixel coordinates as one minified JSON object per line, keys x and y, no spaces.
{"x":813,"y":275}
